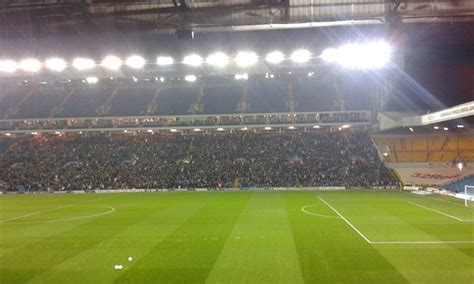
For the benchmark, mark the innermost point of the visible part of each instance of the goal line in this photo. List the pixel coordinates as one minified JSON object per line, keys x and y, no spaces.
{"x":354,"y":228}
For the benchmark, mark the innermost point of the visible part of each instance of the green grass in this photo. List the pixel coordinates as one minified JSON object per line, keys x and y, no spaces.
{"x":239,"y":237}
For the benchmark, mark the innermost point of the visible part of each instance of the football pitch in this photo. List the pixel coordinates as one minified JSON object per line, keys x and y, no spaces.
{"x":238,"y":237}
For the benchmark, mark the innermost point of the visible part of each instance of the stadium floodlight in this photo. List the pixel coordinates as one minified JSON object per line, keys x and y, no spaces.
{"x":135,"y":61}
{"x":411,"y":129}
{"x":436,"y":127}
{"x":111,"y":62}
{"x":82,"y":64}
{"x":164,"y":60}
{"x":55,"y":64}
{"x":92,"y":80}
{"x":218,"y":59}
{"x":30,"y":65}
{"x":193,"y":60}
{"x":346,"y":126}
{"x":8,"y":66}
{"x":220,"y":129}
{"x":329,"y":55}
{"x":291,"y":127}
{"x":243,"y":76}
{"x":460,"y":126}
{"x":8,"y":134}
{"x":316,"y":126}
{"x":197,"y":129}
{"x":173,"y":130}
{"x":445,"y":128}
{"x":244,"y":128}
{"x":268,"y":128}
{"x":162,"y":79}
{"x":246,"y":58}
{"x":300,"y":56}
{"x":275,"y":57}
{"x":372,"y":55}
{"x":190,"y":78}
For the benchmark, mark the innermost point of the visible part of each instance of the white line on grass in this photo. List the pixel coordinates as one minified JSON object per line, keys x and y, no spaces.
{"x":44,"y":211}
{"x":111,"y":210}
{"x":345,"y":220}
{"x":392,"y":242}
{"x":303,"y":209}
{"x":442,"y":213}
{"x":446,"y":201}
{"x":419,"y":242}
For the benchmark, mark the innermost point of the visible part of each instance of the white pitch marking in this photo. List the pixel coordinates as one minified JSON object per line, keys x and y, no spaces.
{"x":345,"y":220}
{"x":419,"y":242}
{"x":316,"y":214}
{"x":112,"y":209}
{"x":446,"y":201}
{"x":442,"y":213}
{"x":43,"y":211}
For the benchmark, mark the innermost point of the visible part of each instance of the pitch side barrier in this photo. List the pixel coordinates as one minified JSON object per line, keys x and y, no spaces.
{"x":102,"y":191}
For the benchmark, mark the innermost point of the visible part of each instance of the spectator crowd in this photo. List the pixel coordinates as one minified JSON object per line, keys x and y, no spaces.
{"x":198,"y":160}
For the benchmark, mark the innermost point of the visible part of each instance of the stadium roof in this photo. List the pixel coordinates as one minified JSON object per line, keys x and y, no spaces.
{"x":23,"y":18}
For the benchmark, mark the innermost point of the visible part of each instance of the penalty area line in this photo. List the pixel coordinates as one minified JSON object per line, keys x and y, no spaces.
{"x":345,"y":220}
{"x":441,"y":213}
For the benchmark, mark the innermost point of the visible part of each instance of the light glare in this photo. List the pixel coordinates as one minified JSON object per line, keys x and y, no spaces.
{"x":190,"y":78}
{"x":193,"y":60}
{"x":8,"y":66}
{"x":243,"y":76}
{"x":55,"y":64}
{"x":30,"y":65}
{"x":245,"y":58}
{"x":164,"y":60}
{"x":218,"y":59}
{"x":111,"y":62}
{"x":92,"y":80}
{"x":82,"y":64}
{"x":300,"y":56}
{"x":275,"y":57}
{"x":135,"y":62}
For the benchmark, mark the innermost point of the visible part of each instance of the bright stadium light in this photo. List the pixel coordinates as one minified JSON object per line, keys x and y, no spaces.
{"x":275,"y":57}
{"x":30,"y":65}
{"x":82,"y":64}
{"x":190,"y":78}
{"x":92,"y":80}
{"x":111,"y":62}
{"x":220,"y":129}
{"x":329,"y":55}
{"x":246,"y":58}
{"x":8,"y":66}
{"x":218,"y":59}
{"x":164,"y":60}
{"x":243,"y":76}
{"x":300,"y":56}
{"x":193,"y":60}
{"x":135,"y":62}
{"x":55,"y":64}
{"x":268,"y":128}
{"x":372,"y":55}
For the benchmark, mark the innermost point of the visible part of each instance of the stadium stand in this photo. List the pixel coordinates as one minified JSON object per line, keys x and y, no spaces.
{"x":345,"y":158}
{"x":220,"y":100}
{"x":267,"y":97}
{"x":131,"y":101}
{"x":177,"y":101}
{"x":458,"y":186}
{"x":427,"y":148}
{"x":85,"y":102}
